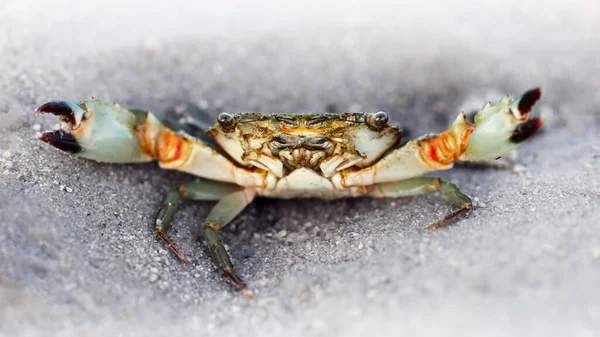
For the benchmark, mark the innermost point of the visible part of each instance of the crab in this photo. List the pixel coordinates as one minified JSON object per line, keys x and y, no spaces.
{"x":250,"y":155}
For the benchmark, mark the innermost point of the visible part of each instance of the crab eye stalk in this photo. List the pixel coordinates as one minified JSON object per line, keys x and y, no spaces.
{"x":377,"y":121}
{"x":227,"y":121}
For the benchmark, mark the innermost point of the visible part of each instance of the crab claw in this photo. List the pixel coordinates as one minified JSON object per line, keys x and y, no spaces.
{"x":68,"y":112}
{"x":522,"y":105}
{"x":501,"y":127}
{"x":94,"y":130}
{"x":61,"y":140}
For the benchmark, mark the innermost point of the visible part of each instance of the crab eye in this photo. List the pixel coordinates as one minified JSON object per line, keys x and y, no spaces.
{"x":316,"y":121}
{"x":287,"y":122}
{"x":227,"y":121}
{"x":377,"y":121}
{"x":316,"y":140}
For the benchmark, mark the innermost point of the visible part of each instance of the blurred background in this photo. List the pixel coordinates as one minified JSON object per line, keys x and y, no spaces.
{"x":76,"y":253}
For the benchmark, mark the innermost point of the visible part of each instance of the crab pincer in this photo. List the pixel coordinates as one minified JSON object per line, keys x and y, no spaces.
{"x":525,"y":130}
{"x":94,"y":130}
{"x":501,"y":127}
{"x":69,"y":114}
{"x":68,"y":111}
{"x":61,"y":140}
{"x":523,"y":105}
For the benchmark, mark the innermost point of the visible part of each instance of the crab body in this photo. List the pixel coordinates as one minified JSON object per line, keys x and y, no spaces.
{"x":303,"y":155}
{"x":288,"y":155}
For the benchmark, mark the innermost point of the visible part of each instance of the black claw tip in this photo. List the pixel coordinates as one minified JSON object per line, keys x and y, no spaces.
{"x":62,"y":140}
{"x":58,"y":108}
{"x":526,"y":130}
{"x":528,"y":100}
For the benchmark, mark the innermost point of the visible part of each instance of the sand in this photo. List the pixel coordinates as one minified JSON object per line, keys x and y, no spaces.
{"x":77,"y":253}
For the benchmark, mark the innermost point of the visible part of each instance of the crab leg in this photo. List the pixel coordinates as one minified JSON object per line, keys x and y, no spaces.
{"x":497,"y":130}
{"x":199,"y":189}
{"x":232,"y":200}
{"x":224,"y":211}
{"x":422,"y":185}
{"x":110,"y":133}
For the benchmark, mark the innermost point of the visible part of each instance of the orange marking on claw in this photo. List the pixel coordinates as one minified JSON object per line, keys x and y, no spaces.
{"x":433,"y":151}
{"x":83,"y":129}
{"x":146,"y":143}
{"x":445,"y":148}
{"x":441,"y":148}
{"x":172,"y":147}
{"x":464,"y":141}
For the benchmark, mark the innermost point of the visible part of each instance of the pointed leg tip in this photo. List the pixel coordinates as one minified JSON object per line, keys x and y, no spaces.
{"x":181,"y":257}
{"x":247,"y":293}
{"x":161,"y":234}
{"x":432,"y":226}
{"x":238,"y":282}
{"x":443,"y":222}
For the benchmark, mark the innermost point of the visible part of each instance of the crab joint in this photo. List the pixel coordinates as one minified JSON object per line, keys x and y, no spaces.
{"x":170,"y":148}
{"x":441,"y":150}
{"x":173,"y":148}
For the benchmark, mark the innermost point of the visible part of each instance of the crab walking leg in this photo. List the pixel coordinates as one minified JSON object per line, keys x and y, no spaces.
{"x":422,"y":185}
{"x":497,"y":130}
{"x":199,"y":189}
{"x":110,"y":133}
{"x":224,"y":211}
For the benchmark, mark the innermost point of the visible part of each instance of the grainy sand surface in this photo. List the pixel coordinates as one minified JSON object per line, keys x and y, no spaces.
{"x":77,"y":254}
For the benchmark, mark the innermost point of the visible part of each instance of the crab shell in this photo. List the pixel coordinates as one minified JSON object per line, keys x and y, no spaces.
{"x":304,"y":150}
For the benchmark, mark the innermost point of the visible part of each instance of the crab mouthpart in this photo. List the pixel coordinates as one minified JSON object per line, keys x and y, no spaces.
{"x":62,"y":140}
